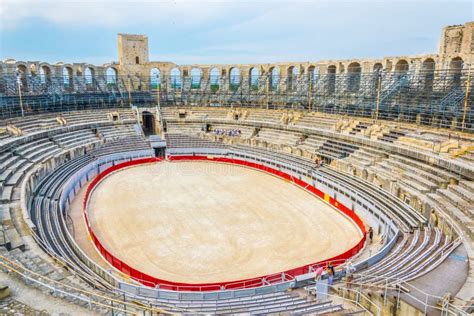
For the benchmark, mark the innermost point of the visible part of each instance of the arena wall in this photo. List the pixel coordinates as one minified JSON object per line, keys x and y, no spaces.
{"x":237,"y":284}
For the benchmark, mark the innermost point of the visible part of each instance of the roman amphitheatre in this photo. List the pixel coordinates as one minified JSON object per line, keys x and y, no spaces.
{"x":333,"y":187}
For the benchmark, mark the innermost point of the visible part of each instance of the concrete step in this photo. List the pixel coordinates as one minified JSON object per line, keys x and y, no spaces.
{"x":454,"y":198}
{"x":468,"y":185}
{"x":466,"y":194}
{"x":466,"y":222}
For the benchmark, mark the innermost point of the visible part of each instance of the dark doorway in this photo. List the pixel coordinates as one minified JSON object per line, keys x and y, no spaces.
{"x":148,"y":120}
{"x":159,"y":152}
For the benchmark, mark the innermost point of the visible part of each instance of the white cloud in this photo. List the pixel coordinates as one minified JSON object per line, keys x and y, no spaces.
{"x":241,"y":31}
{"x":111,"y":13}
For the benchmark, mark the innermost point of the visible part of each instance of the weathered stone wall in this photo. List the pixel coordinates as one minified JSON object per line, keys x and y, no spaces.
{"x":456,"y":50}
{"x":457,"y":41}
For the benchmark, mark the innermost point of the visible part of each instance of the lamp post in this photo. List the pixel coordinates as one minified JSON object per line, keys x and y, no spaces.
{"x":379,"y":85}
{"x":20,"y":85}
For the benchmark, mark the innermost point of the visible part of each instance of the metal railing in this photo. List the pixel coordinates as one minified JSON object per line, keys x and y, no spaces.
{"x":439,"y":97}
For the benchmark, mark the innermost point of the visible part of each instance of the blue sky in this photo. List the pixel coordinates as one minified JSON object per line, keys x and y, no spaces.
{"x":226,"y":31}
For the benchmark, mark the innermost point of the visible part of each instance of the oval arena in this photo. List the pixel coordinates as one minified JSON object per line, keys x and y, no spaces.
{"x":327,"y":187}
{"x":216,"y":223}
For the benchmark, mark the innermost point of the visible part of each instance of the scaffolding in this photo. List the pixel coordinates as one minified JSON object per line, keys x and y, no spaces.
{"x":437,"y":97}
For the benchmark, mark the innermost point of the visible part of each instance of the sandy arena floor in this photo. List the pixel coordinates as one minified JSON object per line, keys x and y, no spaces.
{"x":201,"y":222}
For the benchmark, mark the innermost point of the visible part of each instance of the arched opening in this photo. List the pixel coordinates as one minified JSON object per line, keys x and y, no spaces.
{"x":378,"y":67}
{"x":234,"y":79}
{"x":377,"y":73}
{"x":44,"y":74}
{"x":175,"y":77}
{"x":196,"y":78}
{"x":254,"y":75}
{"x":89,"y":76}
{"x":155,"y":78}
{"x":292,"y":75}
{"x":148,"y":123}
{"x":137,"y":60}
{"x":274,"y":78}
{"x":427,"y":71}
{"x":111,"y":76}
{"x":21,"y":72}
{"x":401,"y":66}
{"x":354,"y":73}
{"x":313,"y":75}
{"x":331,"y":78}
{"x":455,"y":67}
{"x":68,"y":77}
{"x":214,"y":79}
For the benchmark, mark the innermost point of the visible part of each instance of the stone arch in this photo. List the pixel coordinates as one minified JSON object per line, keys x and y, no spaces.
{"x":155,"y":78}
{"x":111,"y":76}
{"x":22,"y":74}
{"x":22,"y":69}
{"x":214,"y":79}
{"x":402,"y":66}
{"x":354,"y":73}
{"x":175,"y":77}
{"x":377,"y":67}
{"x":68,"y":74}
{"x":274,"y":77}
{"x":234,"y":78}
{"x":79,"y":72}
{"x":44,"y":73}
{"x":456,"y":63}
{"x":428,"y":65}
{"x":254,"y":76}
{"x":292,"y":77}
{"x":89,"y":74}
{"x":331,"y":78}
{"x":455,"y":68}
{"x":196,"y":78}
{"x":428,"y":69}
{"x":311,"y":75}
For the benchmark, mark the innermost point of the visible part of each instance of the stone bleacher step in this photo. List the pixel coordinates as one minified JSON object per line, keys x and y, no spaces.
{"x":423,"y":166}
{"x":18,"y":174}
{"x":6,"y":174}
{"x":468,"y":185}
{"x":8,"y":162}
{"x":71,"y":136}
{"x":4,"y":157}
{"x":454,"y":198}
{"x":466,"y":222}
{"x":6,"y":194}
{"x":52,"y":151}
{"x":433,"y":180}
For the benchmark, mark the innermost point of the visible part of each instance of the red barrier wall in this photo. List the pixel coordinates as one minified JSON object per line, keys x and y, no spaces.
{"x":239,"y":284}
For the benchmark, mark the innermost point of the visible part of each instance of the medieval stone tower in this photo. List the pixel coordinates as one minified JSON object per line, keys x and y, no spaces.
{"x":133,"y":53}
{"x":457,"y":41}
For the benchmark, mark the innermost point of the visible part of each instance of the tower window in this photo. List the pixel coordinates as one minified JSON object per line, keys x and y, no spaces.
{"x":137,"y":60}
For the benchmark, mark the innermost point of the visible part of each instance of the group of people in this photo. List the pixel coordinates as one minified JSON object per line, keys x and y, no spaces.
{"x":349,"y":268}
{"x":228,"y":132}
